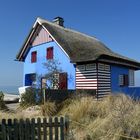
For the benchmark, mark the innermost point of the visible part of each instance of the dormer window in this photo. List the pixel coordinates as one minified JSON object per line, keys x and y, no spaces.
{"x":33,"y":57}
{"x":49,"y":53}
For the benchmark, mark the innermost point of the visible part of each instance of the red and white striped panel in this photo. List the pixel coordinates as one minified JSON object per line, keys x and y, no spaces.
{"x":86,"y":76}
{"x":41,"y":38}
{"x":104,"y":80}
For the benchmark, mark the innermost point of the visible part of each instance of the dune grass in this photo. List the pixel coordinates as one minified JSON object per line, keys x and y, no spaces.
{"x":108,"y":119}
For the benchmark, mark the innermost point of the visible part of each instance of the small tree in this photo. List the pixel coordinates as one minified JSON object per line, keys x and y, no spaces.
{"x":53,"y":69}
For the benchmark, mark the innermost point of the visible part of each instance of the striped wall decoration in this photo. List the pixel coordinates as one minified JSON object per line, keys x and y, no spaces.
{"x":41,"y":38}
{"x":94,"y":76}
{"x":104,"y":79}
{"x":86,"y":76}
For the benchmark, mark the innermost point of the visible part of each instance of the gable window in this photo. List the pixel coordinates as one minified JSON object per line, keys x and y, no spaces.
{"x":33,"y":57}
{"x":123,"y":80}
{"x":49,"y":53}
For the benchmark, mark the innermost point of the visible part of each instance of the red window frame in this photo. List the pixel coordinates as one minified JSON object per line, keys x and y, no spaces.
{"x":49,"y":53}
{"x":34,"y":57}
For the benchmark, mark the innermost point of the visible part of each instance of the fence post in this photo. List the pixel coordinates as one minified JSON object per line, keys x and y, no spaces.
{"x":9,"y":128}
{"x":44,"y":129}
{"x":44,"y":95}
{"x":66,"y":126}
{"x":39,"y":128}
{"x":62,"y":128}
{"x":21,"y":129}
{"x":16,"y":129}
{"x":50,"y":129}
{"x":33,"y":129}
{"x":3,"y":127}
{"x":27,"y":129}
{"x":56,"y":128}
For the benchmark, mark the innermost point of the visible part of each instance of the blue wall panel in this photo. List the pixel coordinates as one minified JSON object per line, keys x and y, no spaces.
{"x":115,"y":72}
{"x":40,"y":69}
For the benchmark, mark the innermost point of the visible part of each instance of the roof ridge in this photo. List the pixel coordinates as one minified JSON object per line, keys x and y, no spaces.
{"x":67,"y":29}
{"x":72,"y":30}
{"x":80,"y":47}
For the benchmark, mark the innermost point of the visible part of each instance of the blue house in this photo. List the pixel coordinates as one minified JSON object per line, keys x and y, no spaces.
{"x":85,"y":62}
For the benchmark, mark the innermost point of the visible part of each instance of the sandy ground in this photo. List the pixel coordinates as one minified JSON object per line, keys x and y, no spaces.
{"x":10,"y":97}
{"x":13,"y":106}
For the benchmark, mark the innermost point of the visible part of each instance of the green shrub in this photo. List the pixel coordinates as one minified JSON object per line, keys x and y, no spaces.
{"x":2,"y":103}
{"x":31,"y":97}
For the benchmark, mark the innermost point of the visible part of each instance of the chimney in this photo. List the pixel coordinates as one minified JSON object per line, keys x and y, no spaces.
{"x":59,"y":21}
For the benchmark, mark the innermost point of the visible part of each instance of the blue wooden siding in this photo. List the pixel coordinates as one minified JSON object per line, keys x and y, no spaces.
{"x":115,"y":72}
{"x":40,"y":69}
{"x":134,"y":92}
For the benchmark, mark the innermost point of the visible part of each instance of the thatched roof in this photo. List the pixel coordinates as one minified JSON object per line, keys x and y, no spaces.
{"x":81,"y":47}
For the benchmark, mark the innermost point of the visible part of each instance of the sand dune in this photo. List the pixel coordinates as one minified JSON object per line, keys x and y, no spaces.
{"x":10,"y":97}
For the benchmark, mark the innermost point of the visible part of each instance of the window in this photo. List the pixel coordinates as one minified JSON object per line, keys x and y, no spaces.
{"x":91,"y":66}
{"x":49,"y":53}
{"x":34,"y":57}
{"x":101,"y":66}
{"x":81,"y":67}
{"x":107,"y":67}
{"x":131,"y":78}
{"x":123,"y":80}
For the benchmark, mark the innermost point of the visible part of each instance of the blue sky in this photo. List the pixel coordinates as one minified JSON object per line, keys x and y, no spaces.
{"x":115,"y":22}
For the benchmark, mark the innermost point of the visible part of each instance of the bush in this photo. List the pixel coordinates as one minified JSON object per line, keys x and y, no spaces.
{"x":31,"y":97}
{"x":2,"y":103}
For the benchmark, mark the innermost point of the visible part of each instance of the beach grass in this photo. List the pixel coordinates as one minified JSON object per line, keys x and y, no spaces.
{"x":113,"y":118}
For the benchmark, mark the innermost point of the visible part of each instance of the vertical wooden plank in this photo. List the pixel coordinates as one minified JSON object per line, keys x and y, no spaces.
{"x":66,"y":126}
{"x":16,"y":130}
{"x":56,"y":128}
{"x":44,"y":128}
{"x":21,"y":129}
{"x":32,"y":129}
{"x":62,"y":128}
{"x":3,"y":127}
{"x":9,"y":129}
{"x":39,"y":128}
{"x":0,"y":132}
{"x":50,"y":129}
{"x":27,"y":129}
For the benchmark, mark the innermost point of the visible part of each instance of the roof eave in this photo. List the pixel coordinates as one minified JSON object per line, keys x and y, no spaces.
{"x":23,"y":48}
{"x":124,"y":62}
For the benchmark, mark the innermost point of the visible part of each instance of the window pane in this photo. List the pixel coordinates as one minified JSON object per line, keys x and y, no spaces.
{"x":91,"y":66}
{"x":49,"y":53}
{"x":131,"y":78}
{"x":33,"y":56}
{"x":101,"y":66}
{"x":121,"y":80}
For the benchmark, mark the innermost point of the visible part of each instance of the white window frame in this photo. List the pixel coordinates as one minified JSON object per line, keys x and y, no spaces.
{"x":81,"y":67}
{"x":131,"y":78}
{"x":121,"y":80}
{"x":101,"y":66}
{"x":91,"y":66}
